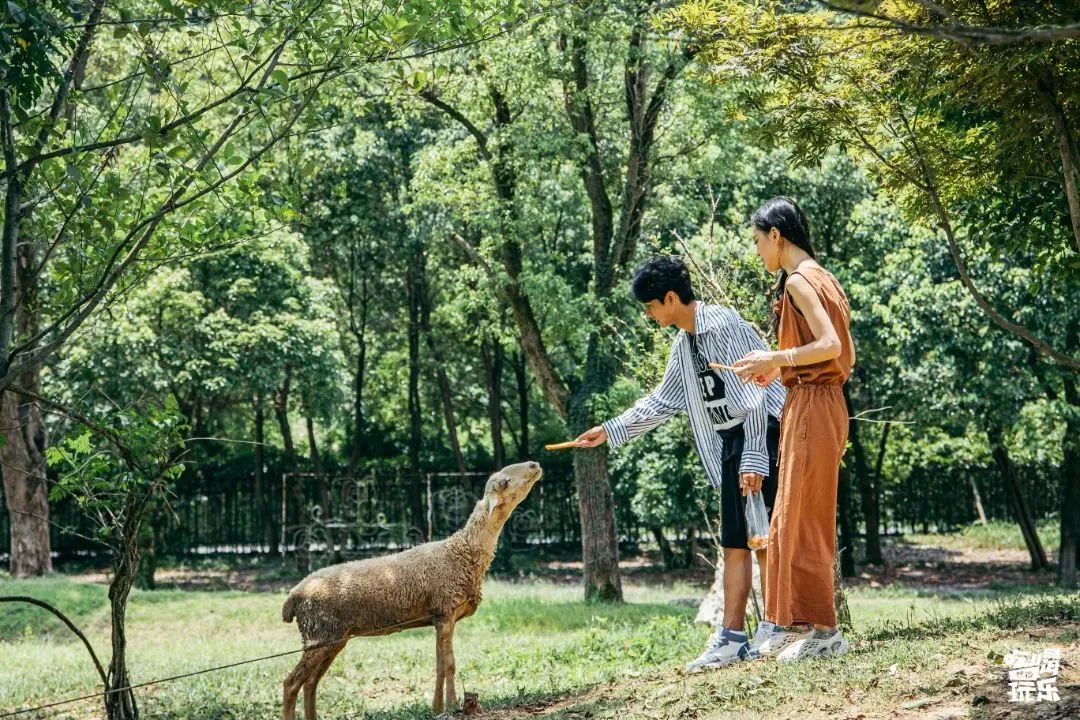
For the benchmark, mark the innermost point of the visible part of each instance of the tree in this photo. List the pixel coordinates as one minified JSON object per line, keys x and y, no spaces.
{"x":939,"y":124}
{"x":132,"y":148}
{"x":617,"y":180}
{"x":116,"y":469}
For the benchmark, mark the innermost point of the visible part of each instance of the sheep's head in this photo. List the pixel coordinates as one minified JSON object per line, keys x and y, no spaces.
{"x":509,"y":486}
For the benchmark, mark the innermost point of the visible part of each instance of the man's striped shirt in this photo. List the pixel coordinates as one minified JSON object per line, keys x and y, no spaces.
{"x":724,"y":337}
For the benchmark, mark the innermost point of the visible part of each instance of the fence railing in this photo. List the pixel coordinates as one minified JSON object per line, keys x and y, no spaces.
{"x":215,"y":509}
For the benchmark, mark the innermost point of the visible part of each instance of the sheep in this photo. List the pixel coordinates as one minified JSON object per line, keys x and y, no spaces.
{"x":436,"y":584}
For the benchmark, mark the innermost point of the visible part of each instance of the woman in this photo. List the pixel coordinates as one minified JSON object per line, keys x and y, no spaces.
{"x":812,"y":320}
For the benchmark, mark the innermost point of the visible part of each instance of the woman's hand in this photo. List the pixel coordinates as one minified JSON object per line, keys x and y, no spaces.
{"x":767,"y":378}
{"x":750,"y":482}
{"x":592,"y":437}
{"x":759,"y":363}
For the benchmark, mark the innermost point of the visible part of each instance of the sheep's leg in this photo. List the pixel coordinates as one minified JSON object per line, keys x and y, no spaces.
{"x":440,"y":669}
{"x":449,"y":666}
{"x":311,"y":685}
{"x":295,"y":681}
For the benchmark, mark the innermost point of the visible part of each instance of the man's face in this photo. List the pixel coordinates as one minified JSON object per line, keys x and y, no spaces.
{"x":663,"y":310}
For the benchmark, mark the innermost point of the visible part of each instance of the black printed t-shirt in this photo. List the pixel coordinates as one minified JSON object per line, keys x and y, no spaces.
{"x":712,"y":390}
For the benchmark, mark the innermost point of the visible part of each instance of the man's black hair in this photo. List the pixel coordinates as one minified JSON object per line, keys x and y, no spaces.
{"x":658,"y":275}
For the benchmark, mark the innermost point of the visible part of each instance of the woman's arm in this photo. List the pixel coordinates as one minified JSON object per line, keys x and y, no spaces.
{"x":826,"y":344}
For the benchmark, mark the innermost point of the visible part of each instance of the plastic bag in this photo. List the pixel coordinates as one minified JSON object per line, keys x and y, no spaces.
{"x":757,"y":522}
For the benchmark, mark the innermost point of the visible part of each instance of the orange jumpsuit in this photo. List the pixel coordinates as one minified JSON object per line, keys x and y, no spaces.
{"x":813,"y":432}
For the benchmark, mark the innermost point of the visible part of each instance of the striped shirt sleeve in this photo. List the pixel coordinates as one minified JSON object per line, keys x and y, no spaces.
{"x":654,"y":409}
{"x":734,"y":341}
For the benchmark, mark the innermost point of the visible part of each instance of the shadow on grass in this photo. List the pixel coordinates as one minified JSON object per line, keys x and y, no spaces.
{"x":1016,"y":613}
{"x":576,"y":705}
{"x":80,"y":602}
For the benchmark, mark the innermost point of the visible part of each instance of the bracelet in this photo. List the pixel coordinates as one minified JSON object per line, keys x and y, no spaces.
{"x":789,"y":355}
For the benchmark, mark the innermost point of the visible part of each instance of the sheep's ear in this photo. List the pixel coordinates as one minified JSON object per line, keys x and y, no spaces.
{"x":492,"y":503}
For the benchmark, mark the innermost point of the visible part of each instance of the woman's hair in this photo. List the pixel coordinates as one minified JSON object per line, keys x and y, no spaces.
{"x":786,"y":216}
{"x":659,"y":275}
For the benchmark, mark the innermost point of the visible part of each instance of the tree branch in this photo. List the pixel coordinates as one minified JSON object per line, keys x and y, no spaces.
{"x":966,"y":34}
{"x":532,"y":342}
{"x":430,"y":96}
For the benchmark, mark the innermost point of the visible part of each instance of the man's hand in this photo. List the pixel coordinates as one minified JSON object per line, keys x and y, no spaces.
{"x":750,"y":482}
{"x":592,"y":437}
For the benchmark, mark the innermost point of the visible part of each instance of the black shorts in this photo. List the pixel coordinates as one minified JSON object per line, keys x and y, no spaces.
{"x":732,"y":501}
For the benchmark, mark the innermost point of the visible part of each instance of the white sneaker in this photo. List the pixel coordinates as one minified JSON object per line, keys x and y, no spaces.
{"x":764,"y":630}
{"x":724,"y":648}
{"x":822,"y":643}
{"x":780,"y":639}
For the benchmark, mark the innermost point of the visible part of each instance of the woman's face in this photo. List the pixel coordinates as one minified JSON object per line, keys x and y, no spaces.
{"x":768,"y":245}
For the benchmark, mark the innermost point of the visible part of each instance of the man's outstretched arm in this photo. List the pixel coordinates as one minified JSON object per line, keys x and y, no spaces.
{"x":649,"y":412}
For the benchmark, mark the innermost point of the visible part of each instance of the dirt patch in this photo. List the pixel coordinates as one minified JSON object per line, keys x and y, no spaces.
{"x":918,"y":566}
{"x":938,"y":568}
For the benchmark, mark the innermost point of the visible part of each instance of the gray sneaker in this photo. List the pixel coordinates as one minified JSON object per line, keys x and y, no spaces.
{"x":764,"y":630}
{"x":779,"y":639}
{"x":821,"y":644}
{"x":725,"y":647}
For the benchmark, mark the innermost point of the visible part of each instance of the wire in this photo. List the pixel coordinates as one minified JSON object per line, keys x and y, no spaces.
{"x":210,"y":669}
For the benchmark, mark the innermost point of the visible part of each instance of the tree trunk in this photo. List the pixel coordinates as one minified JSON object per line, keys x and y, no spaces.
{"x":358,"y":446}
{"x":121,"y":705}
{"x":423,"y":300}
{"x":666,"y":554}
{"x":359,"y":441}
{"x":840,"y":602}
{"x":871,"y":503}
{"x":1019,"y":500}
{"x":448,"y":416}
{"x":522,"y":378}
{"x":25,"y":489}
{"x":23,"y":452}
{"x":846,"y":522}
{"x":1070,"y":490}
{"x":493,"y":366}
{"x":868,"y":490}
{"x":317,"y":465}
{"x":596,"y":505}
{"x":281,"y":412}
{"x":599,"y":541}
{"x":261,"y":491}
{"x":415,"y":489}
{"x":1070,"y":156}
{"x":978,"y":499}
{"x":691,"y":551}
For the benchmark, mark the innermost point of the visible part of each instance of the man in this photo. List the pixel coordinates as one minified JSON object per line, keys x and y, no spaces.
{"x":736,"y":429}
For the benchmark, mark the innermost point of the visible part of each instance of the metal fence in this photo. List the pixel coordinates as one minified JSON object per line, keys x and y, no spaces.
{"x":215,"y":508}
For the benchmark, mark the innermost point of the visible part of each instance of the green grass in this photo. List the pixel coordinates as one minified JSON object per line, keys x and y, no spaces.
{"x":994,"y":535}
{"x":527,"y":641}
